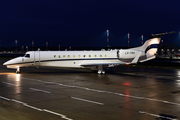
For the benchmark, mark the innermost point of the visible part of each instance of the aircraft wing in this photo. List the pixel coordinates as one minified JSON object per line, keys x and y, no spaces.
{"x":134,"y":61}
{"x":108,"y":64}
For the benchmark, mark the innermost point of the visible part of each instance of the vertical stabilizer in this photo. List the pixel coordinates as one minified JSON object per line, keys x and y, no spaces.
{"x":150,"y":47}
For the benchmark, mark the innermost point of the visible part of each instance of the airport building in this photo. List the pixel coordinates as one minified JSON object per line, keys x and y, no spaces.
{"x":169,"y":50}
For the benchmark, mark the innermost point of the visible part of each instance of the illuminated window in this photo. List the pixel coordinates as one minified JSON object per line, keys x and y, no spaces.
{"x":54,"y":56}
{"x":89,"y":55}
{"x":84,"y":56}
{"x":59,"y":56}
{"x":100,"y":55}
{"x":68,"y":56}
{"x":95,"y":55}
{"x":64,"y":56}
{"x":74,"y":56}
{"x":79,"y":56}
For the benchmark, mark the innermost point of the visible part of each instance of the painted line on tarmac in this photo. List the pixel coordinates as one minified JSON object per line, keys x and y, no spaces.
{"x":100,"y":91}
{"x":25,"y":104}
{"x":32,"y":107}
{"x":159,"y":116}
{"x":62,"y":116}
{"x":40,"y":90}
{"x":5,"y":98}
{"x":87,"y":101}
{"x":10,"y":84}
{"x":17,"y":101}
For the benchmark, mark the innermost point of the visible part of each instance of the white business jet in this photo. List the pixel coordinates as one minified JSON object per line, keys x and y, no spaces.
{"x":94,"y":60}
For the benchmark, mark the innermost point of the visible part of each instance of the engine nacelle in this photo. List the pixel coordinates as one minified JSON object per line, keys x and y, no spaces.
{"x":127,"y":54}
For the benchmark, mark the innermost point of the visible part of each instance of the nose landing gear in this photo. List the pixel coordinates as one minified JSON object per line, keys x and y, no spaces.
{"x":18,"y":70}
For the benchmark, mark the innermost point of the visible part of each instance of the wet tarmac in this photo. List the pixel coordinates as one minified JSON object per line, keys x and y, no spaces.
{"x":124,"y":93}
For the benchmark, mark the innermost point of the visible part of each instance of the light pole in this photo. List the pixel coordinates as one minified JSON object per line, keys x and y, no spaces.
{"x":107,"y":38}
{"x":32,"y":45}
{"x":128,"y":39}
{"x":46,"y":45}
{"x":16,"y":41}
{"x":22,"y":48}
{"x":0,"y":46}
{"x":26,"y":48}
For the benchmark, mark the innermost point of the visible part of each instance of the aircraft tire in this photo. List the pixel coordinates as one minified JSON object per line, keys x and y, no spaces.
{"x":17,"y":72}
{"x":99,"y":72}
{"x":103,"y":72}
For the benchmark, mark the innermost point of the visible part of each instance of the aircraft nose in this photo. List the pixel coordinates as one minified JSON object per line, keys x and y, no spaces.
{"x":13,"y":61}
{"x":9,"y":62}
{"x":6,"y":63}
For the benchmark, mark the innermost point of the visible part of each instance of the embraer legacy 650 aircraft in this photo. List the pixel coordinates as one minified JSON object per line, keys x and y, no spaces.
{"x":94,"y":60}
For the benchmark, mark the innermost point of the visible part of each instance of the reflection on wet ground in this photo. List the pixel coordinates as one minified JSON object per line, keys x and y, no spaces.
{"x":125,"y":92}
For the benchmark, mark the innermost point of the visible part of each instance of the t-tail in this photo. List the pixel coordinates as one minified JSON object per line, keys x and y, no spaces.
{"x":145,"y":52}
{"x":150,"y":47}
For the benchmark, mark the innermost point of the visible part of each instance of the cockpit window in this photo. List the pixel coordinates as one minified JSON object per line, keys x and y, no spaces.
{"x":27,"y":55}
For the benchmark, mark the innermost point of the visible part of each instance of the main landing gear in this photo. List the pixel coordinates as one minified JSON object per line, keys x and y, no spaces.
{"x":100,"y":69}
{"x":18,"y":70}
{"x":101,"y":72}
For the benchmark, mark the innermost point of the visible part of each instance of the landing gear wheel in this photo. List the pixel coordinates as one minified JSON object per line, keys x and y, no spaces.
{"x":18,"y":71}
{"x":99,"y":71}
{"x":103,"y":72}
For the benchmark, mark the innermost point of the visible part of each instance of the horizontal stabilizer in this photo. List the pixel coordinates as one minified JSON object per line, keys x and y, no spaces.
{"x":160,"y":34}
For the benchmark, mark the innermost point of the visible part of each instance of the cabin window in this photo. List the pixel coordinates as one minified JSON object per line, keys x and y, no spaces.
{"x":54,"y":56}
{"x":74,"y":56}
{"x":95,"y":55}
{"x":68,"y":56}
{"x":64,"y":56}
{"x":100,"y":55}
{"x":27,"y":55}
{"x":59,"y":56}
{"x":89,"y":55}
{"x":79,"y":56}
{"x":84,"y":56}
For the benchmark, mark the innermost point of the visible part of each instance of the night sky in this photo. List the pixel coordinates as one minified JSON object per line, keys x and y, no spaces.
{"x":83,"y":23}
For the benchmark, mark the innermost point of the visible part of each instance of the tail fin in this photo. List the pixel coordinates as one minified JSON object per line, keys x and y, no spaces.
{"x":150,"y":47}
